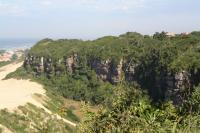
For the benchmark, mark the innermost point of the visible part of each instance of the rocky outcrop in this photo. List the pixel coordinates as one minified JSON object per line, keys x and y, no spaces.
{"x":182,"y":80}
{"x":48,"y":66}
{"x":70,"y":63}
{"x":130,"y":70}
{"x":116,"y":73}
{"x":41,"y":64}
{"x":177,"y":85}
{"x":170,"y":86}
{"x":107,"y":70}
{"x":174,"y":85}
{"x":182,"y":85}
{"x":102,"y":68}
{"x":36,"y":63}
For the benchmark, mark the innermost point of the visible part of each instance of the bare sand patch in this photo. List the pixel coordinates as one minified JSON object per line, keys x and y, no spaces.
{"x":5,"y":129}
{"x":14,"y":93}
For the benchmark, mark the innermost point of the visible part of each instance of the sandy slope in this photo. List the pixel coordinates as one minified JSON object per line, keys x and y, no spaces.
{"x":5,"y":129}
{"x":14,"y":93}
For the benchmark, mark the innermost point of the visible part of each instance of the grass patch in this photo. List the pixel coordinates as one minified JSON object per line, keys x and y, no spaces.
{"x":19,"y":59}
{"x":33,"y":119}
{"x":71,"y":115}
{"x":4,"y":63}
{"x":20,"y":73}
{"x":56,"y":104}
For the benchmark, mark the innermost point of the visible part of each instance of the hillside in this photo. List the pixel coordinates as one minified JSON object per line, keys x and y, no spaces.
{"x":26,"y":103}
{"x":145,"y":83}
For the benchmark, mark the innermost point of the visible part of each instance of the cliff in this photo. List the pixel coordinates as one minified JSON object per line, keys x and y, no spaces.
{"x":167,"y":69}
{"x":174,"y":85}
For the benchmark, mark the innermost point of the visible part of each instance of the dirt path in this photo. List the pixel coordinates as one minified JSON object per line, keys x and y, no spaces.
{"x":14,"y":93}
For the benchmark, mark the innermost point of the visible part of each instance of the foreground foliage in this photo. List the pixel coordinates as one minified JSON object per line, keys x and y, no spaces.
{"x":133,"y":111}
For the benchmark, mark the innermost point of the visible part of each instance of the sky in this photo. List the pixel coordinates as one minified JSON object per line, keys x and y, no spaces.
{"x":90,"y":19}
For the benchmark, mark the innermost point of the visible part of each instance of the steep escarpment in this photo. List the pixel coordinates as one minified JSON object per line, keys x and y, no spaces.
{"x":167,"y":68}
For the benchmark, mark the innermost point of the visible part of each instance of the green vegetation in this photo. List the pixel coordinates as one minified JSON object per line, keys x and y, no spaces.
{"x":20,"y":73}
{"x":57,"y":105}
{"x":2,"y":51}
{"x":32,"y":119}
{"x":139,"y":105}
{"x":133,"y":111}
{"x":13,"y":59}
{"x":4,"y":63}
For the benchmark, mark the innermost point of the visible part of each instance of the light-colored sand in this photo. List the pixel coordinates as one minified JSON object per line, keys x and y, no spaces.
{"x":5,"y":129}
{"x":17,"y":92}
{"x":14,"y":93}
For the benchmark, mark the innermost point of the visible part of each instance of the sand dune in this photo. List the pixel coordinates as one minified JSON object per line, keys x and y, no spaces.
{"x":17,"y":92}
{"x":14,"y":93}
{"x":5,"y":129}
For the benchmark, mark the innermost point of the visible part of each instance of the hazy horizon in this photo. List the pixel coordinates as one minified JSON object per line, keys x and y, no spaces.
{"x":16,"y":43}
{"x":90,"y":19}
{"x":89,"y":38}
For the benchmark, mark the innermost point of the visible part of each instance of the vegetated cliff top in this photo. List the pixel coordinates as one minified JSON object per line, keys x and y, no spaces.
{"x":179,"y":52}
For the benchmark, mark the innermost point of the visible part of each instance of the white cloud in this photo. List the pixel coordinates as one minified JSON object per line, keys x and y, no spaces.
{"x":10,"y":9}
{"x":102,"y":5}
{"x":114,"y":5}
{"x":25,"y":7}
{"x":46,"y":2}
{"x":123,"y":5}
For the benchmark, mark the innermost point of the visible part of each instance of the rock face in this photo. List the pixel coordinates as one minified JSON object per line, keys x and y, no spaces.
{"x":48,"y":67}
{"x":130,"y":72}
{"x":177,"y":85}
{"x":182,"y":85}
{"x":41,"y":65}
{"x":107,"y":71}
{"x":182,"y":80}
{"x":70,"y":63}
{"x":36,"y":63}
{"x":102,"y":68}
{"x":171,"y":86}
{"x":174,"y":85}
{"x":116,"y":74}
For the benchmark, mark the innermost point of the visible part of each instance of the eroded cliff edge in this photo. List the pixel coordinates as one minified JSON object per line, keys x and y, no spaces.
{"x":169,"y":69}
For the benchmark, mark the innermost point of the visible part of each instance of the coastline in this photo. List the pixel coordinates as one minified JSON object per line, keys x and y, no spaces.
{"x":13,"y":44}
{"x":16,"y":47}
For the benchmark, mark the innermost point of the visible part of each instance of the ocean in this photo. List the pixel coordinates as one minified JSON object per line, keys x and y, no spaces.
{"x":11,"y":44}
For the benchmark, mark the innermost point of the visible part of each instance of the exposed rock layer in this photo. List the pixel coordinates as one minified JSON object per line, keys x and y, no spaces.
{"x":174,"y":85}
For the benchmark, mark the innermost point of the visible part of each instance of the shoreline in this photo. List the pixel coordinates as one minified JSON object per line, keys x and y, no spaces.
{"x":16,"y":43}
{"x":16,"y":47}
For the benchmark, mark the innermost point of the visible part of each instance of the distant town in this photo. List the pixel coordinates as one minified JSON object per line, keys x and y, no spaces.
{"x":8,"y":55}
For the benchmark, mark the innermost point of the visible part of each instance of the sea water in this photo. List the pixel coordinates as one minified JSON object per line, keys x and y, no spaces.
{"x":11,"y":44}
